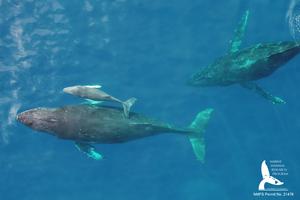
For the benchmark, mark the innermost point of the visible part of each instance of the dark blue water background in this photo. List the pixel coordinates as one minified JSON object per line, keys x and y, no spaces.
{"x":146,"y":49}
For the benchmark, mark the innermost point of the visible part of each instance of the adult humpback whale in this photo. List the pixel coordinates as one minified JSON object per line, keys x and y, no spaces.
{"x":87,"y":124}
{"x":246,"y":65}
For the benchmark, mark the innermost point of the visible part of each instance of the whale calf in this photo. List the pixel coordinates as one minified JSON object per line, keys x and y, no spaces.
{"x":86,"y":125}
{"x":247,"y":65}
{"x":93,"y":92}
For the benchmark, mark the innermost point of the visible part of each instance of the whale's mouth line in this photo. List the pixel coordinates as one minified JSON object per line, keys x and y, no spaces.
{"x":17,"y":117}
{"x":21,"y":117}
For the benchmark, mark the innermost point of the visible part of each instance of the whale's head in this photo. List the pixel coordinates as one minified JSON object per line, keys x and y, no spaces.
{"x":208,"y":76}
{"x":40,"y":119}
{"x":73,"y":90}
{"x":198,"y":80}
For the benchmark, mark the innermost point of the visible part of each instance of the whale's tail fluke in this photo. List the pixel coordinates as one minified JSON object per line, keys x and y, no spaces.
{"x":127,"y":105}
{"x":197,"y":137}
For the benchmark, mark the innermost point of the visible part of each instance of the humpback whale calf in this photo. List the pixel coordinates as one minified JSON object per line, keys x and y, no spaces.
{"x":93,"y":92}
{"x":247,"y":65}
{"x":87,"y":125}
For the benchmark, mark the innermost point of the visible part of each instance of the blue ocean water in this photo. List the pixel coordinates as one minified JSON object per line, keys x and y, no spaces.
{"x":146,"y":49}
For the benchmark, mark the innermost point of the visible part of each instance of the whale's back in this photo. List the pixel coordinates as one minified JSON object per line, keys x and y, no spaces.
{"x":247,"y":64}
{"x":99,"y":124}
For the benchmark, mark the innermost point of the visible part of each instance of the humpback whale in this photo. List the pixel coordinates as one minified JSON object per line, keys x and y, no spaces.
{"x":93,"y":92}
{"x":242,"y":66}
{"x":87,"y":125}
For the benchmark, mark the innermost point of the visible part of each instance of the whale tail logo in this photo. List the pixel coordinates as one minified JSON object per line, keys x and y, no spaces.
{"x":267,"y":178}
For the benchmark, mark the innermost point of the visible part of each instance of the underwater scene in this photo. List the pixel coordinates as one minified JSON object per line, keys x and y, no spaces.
{"x":151,"y":100}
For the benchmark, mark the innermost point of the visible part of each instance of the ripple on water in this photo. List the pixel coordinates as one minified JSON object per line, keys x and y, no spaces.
{"x":293,"y":18}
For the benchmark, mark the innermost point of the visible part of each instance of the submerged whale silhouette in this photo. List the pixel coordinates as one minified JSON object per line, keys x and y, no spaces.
{"x":87,"y":124}
{"x":246,"y":65}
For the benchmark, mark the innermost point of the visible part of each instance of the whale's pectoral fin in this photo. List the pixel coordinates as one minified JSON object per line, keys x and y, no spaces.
{"x":92,"y":102}
{"x":260,"y":91}
{"x":92,"y":86}
{"x":239,"y":32}
{"x":89,"y":150}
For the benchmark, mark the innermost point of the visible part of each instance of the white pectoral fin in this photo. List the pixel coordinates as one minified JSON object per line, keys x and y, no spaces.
{"x":93,"y":86}
{"x":89,"y":150}
{"x":93,"y":102}
{"x":239,"y":33}
{"x":262,"y":92}
{"x":264,"y":169}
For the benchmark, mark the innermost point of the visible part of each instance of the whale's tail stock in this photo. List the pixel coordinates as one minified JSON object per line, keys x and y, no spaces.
{"x":198,"y":127}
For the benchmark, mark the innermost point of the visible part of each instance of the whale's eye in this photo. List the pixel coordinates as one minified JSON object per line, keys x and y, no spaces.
{"x":276,"y":182}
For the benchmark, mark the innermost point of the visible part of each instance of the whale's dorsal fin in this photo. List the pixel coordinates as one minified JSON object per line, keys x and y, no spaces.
{"x":239,"y":32}
{"x":264,"y":170}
